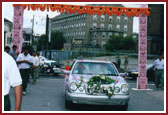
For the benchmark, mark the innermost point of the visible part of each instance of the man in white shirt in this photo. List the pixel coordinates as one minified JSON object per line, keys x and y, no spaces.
{"x":24,"y":61}
{"x":38,"y":56}
{"x":35,"y":67}
{"x":159,"y":71}
{"x":11,"y":78}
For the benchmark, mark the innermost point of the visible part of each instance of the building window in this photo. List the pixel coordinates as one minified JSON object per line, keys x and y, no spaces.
{"x":110,"y":26}
{"x":94,"y":25}
{"x":125,"y":19}
{"x":125,"y":28}
{"x":110,"y":35}
{"x":94,"y":35}
{"x":102,"y":17}
{"x":83,"y":24}
{"x":116,"y":34}
{"x":110,"y":18}
{"x":94,"y":42}
{"x":9,"y":40}
{"x":103,"y":35}
{"x":118,"y":27}
{"x":102,"y":26}
{"x":103,"y":43}
{"x":125,"y":35}
{"x":118,"y":18}
{"x":94,"y":17}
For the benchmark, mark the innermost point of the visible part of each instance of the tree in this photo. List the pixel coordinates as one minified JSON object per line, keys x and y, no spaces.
{"x":57,"y":40}
{"x":41,"y":43}
{"x":128,"y":43}
{"x":120,"y":43}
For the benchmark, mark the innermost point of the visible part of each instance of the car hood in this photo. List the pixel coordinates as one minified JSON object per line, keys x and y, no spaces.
{"x":77,"y":77}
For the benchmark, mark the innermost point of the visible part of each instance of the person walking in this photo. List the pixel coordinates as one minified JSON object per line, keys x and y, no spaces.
{"x":35,"y":67}
{"x":159,"y":72}
{"x":13,"y":52}
{"x":24,"y":61}
{"x":38,"y":68}
{"x":126,"y":63}
{"x":118,"y":60}
{"x":11,"y":78}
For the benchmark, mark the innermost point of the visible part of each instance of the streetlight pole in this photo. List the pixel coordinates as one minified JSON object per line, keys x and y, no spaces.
{"x":33,"y":31}
{"x":47,"y":21}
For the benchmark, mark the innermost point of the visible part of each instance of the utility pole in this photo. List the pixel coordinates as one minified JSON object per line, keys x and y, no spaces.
{"x":47,"y":21}
{"x":33,"y":31}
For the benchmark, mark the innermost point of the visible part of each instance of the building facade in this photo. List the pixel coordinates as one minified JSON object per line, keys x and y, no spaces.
{"x":7,"y":32}
{"x":91,"y":32}
{"x":27,"y":37}
{"x":156,"y":29}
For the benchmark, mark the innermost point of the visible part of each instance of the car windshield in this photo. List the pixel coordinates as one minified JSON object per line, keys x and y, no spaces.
{"x":94,"y":68}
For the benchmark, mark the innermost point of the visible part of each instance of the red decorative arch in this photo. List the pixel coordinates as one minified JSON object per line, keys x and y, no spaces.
{"x":142,"y":13}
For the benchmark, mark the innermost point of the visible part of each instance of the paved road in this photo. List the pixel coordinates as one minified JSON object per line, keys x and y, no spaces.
{"x":47,"y":95}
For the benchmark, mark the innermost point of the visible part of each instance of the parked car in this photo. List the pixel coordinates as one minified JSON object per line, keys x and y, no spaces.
{"x":50,"y":66}
{"x":90,"y":82}
{"x":133,"y":73}
{"x":57,"y":69}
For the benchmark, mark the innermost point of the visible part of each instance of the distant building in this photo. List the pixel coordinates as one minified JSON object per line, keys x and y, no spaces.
{"x":7,"y":32}
{"x":91,"y":32}
{"x":27,"y":37}
{"x":156,"y":29}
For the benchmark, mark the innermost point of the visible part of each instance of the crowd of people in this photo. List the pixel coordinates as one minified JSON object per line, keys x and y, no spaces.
{"x":19,"y":67}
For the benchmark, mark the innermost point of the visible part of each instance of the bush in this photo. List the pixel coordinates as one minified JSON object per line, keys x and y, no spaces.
{"x":116,"y":43}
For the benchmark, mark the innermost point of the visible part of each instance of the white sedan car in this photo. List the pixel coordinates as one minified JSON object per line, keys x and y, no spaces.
{"x":95,"y":82}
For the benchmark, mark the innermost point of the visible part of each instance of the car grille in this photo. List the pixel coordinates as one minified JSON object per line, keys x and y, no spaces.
{"x":99,"y":91}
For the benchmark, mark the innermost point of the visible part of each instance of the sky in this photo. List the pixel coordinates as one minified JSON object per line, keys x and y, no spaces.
{"x":40,"y":18}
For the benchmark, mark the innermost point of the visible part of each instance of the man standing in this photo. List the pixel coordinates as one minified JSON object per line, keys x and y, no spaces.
{"x":118,"y":60}
{"x":11,"y":78}
{"x":24,"y":62}
{"x":159,"y":70}
{"x":38,"y":56}
{"x":126,"y":63}
{"x":35,"y":67}
{"x":13,"y":52}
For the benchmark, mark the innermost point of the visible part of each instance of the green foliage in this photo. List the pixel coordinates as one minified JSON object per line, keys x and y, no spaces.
{"x":120,"y":43}
{"x":57,"y":40}
{"x":41,"y":43}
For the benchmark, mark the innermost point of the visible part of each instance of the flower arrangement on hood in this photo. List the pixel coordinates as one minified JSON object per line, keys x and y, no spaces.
{"x":101,"y":84}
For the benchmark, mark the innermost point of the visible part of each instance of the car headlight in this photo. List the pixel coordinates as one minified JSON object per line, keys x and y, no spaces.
{"x":81,"y":88}
{"x":124,"y":88}
{"x":135,"y":72}
{"x":117,"y":89}
{"x":73,"y":86}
